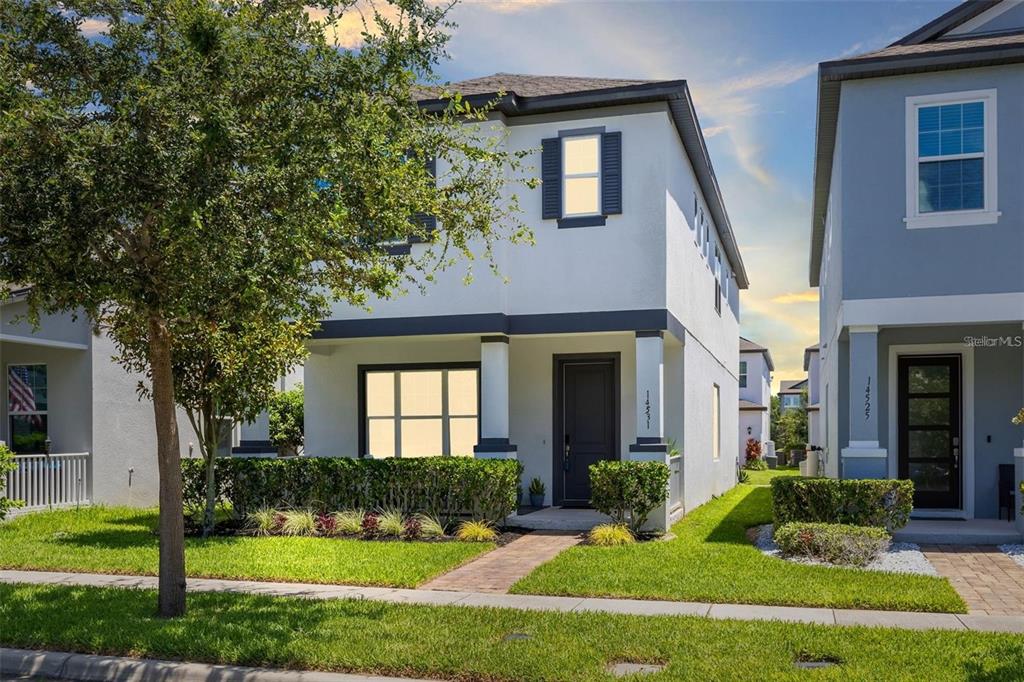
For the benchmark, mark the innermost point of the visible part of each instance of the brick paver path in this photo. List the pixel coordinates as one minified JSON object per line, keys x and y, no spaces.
{"x":497,"y":571}
{"x":989,"y":581}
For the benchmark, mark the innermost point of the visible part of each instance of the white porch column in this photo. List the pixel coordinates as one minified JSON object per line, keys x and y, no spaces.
{"x":650,"y":443}
{"x":863,"y":458}
{"x":494,"y":400}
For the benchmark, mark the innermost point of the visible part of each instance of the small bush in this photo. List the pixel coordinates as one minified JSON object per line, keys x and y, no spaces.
{"x":326,"y":524}
{"x":753,"y":450}
{"x":628,"y":491}
{"x":262,"y":521}
{"x":298,"y":522}
{"x":390,"y":523}
{"x":476,"y":531}
{"x":755,"y":465}
{"x":610,"y":535}
{"x":7,"y":463}
{"x":412,"y":529}
{"x":430,"y":527}
{"x":742,"y":476}
{"x":349,"y":522}
{"x":285,"y":414}
{"x":868,"y":502}
{"x":370,"y":527}
{"x":834,"y":543}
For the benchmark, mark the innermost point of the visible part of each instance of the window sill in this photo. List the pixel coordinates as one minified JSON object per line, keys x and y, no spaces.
{"x":952,"y":219}
{"x":582,"y":221}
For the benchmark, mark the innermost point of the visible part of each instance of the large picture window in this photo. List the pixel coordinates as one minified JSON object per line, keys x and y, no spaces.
{"x":27,"y":408}
{"x":420,"y":411}
{"x":951,"y":159}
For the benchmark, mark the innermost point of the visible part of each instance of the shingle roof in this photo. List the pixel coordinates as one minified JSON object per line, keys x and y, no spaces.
{"x":791,"y":385}
{"x":527,"y":94}
{"x":807,"y":355}
{"x":526,"y":85}
{"x":750,"y":405}
{"x":748,"y":346}
{"x":936,"y":47}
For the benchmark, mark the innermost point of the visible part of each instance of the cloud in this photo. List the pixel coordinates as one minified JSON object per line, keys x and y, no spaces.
{"x":92,"y":27}
{"x":509,"y":6}
{"x":809,"y":296}
{"x":711,"y":131}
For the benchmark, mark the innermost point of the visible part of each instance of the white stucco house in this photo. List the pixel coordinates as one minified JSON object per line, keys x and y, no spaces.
{"x":755,"y":382}
{"x":615,"y":335}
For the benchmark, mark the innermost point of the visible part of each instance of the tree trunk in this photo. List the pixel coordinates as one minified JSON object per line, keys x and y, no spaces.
{"x":172,"y":517}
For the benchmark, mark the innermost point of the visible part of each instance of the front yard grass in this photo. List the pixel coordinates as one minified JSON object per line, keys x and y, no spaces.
{"x":465,"y":643}
{"x":765,"y":476}
{"x":122,"y":541}
{"x":711,"y":560}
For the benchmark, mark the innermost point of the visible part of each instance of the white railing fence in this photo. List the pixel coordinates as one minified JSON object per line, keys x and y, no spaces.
{"x":49,"y":480}
{"x":675,"y":481}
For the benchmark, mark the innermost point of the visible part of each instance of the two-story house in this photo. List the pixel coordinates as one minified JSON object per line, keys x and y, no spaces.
{"x":791,"y":393}
{"x":917,"y":245}
{"x":615,"y":335}
{"x":812,"y":365}
{"x":756,"y":369}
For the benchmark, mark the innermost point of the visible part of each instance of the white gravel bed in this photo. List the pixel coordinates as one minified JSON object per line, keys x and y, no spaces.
{"x":1015,"y":552}
{"x":901,"y":557}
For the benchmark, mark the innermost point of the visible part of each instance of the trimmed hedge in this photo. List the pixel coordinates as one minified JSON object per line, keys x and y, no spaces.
{"x":884,"y":503}
{"x":835,"y":543}
{"x":444,"y":487}
{"x":628,"y":491}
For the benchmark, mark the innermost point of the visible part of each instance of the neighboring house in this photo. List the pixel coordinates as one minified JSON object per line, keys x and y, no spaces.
{"x":615,"y":335}
{"x":812,"y":365}
{"x":62,"y":392}
{"x":917,"y":245}
{"x":756,"y":369}
{"x":791,"y":393}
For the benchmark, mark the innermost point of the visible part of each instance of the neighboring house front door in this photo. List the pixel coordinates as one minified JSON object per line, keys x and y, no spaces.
{"x":586,"y":423}
{"x":929,"y":429}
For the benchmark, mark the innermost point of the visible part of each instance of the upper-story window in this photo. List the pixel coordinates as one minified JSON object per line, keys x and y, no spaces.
{"x":951,"y":159}
{"x":743,"y":373}
{"x":792,"y":400}
{"x":581,"y":176}
{"x":718,"y":280}
{"x":581,"y":173}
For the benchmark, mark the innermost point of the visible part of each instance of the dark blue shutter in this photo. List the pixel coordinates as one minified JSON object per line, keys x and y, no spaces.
{"x":551,"y":178}
{"x":428,"y":221}
{"x":611,"y":173}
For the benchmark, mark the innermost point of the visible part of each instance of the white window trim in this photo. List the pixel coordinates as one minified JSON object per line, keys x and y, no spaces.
{"x":990,"y":213}
{"x":744,"y":373}
{"x":716,"y":416}
{"x":597,"y":174}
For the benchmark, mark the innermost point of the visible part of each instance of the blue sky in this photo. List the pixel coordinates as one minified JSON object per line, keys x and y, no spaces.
{"x":751,"y":67}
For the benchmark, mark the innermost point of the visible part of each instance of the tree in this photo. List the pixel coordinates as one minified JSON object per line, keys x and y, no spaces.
{"x":197,"y":154}
{"x":287,"y":417}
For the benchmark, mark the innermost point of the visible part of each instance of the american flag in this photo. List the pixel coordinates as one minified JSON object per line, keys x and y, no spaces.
{"x":22,"y":397}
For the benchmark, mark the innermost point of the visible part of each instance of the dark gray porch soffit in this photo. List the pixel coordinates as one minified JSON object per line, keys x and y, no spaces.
{"x":897,"y":59}
{"x":500,"y":323}
{"x":675,"y":92}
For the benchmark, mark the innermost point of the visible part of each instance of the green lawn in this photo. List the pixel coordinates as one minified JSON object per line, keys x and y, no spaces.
{"x":121,"y":540}
{"x":765,"y":477}
{"x":711,"y":560}
{"x":467,"y":643}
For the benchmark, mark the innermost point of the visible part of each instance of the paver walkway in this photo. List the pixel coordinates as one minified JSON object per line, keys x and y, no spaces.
{"x":498,"y":570}
{"x":989,"y":581}
{"x":795,"y":614}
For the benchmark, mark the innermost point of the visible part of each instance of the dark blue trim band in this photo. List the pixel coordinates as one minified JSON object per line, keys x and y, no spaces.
{"x":582,"y":221}
{"x":649,"y":440}
{"x":500,"y":323}
{"x":652,"y":447}
{"x":486,"y":445}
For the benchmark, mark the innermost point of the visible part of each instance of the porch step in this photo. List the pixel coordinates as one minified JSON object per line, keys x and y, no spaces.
{"x":953,"y":532}
{"x":557,"y":518}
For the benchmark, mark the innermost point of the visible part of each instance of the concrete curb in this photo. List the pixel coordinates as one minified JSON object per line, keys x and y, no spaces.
{"x":90,"y":668}
{"x":906,"y":620}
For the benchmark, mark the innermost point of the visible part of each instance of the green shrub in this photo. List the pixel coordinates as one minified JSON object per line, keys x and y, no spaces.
{"x":476,"y":531}
{"x":834,"y":543}
{"x":285,"y":414}
{"x":390,"y":523}
{"x":742,"y":476}
{"x":298,"y":522}
{"x":7,"y":463}
{"x":610,"y":535}
{"x":869,"y":502}
{"x":757,"y":464}
{"x":443,"y":487}
{"x":628,"y":491}
{"x":349,"y":522}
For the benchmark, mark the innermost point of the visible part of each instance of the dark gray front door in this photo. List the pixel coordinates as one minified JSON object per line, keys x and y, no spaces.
{"x":586,"y":425}
{"x":929,"y":429}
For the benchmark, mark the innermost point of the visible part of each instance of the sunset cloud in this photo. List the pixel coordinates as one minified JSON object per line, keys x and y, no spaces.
{"x":809,"y":296}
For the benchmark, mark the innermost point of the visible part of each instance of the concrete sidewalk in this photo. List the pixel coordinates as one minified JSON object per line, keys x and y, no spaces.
{"x":25,"y":663}
{"x":893,"y":619}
